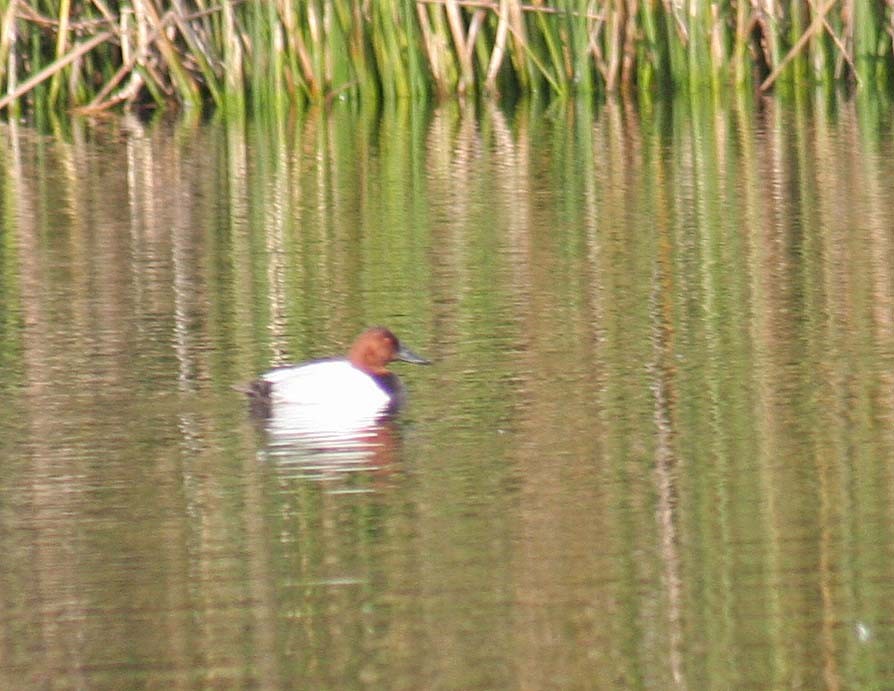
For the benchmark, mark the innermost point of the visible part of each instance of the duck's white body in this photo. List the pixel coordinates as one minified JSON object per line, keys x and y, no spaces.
{"x":325,"y":383}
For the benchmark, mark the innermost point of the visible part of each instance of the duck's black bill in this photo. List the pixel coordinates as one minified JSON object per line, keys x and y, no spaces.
{"x":404,"y":354}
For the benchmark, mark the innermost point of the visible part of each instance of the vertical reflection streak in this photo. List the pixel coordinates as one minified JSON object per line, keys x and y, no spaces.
{"x":667,"y":465}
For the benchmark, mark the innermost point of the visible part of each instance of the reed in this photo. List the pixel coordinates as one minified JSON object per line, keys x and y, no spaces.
{"x":92,"y":56}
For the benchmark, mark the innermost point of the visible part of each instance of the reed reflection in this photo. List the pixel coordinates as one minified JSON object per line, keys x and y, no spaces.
{"x":655,"y":451}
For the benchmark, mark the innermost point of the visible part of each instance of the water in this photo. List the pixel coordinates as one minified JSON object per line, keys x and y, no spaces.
{"x":656,"y":449}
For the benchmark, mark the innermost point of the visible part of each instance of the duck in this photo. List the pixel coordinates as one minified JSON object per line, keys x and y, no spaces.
{"x":353,"y":390}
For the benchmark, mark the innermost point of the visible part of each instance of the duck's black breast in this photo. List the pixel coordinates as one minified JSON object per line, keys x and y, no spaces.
{"x":390,"y":383}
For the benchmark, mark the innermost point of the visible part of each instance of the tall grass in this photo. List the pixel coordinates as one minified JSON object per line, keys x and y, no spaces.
{"x":94,"y":55}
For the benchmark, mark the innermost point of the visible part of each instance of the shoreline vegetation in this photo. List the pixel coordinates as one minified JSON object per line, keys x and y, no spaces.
{"x":90,"y":56}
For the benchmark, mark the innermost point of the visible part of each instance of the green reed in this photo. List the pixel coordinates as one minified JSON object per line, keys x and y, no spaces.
{"x":96,"y":55}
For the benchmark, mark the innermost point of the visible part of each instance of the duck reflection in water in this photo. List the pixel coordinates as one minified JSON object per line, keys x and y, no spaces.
{"x":341,"y":406}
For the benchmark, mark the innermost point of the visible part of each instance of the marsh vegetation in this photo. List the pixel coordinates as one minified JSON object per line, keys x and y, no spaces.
{"x":95,"y":55}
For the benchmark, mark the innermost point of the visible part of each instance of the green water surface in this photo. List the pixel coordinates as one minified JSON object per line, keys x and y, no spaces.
{"x":655,"y":450}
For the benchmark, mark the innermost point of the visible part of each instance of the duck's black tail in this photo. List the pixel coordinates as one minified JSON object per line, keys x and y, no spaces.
{"x":259,"y":394}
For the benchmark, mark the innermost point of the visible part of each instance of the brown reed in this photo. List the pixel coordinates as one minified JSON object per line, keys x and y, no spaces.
{"x":92,"y":56}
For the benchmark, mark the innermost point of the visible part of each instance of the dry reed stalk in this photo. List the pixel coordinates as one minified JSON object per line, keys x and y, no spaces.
{"x":499,"y":50}
{"x":717,"y":48}
{"x":199,"y":50}
{"x":129,"y":93}
{"x":766,"y":13}
{"x":289,"y":19}
{"x":815,"y":26}
{"x":555,"y":52}
{"x":676,"y":10}
{"x":842,"y":49}
{"x":135,"y":57}
{"x":744,"y":24}
{"x":595,"y":48}
{"x":145,"y":37}
{"x":76,"y":52}
{"x":457,"y":31}
{"x":328,"y":57}
{"x":364,"y":68}
{"x":105,"y":12}
{"x":519,"y":44}
{"x":628,"y":60}
{"x":61,"y":47}
{"x":185,"y":85}
{"x":615,"y":31}
{"x":532,"y":56}
{"x":598,"y":58}
{"x":315,"y":34}
{"x":495,"y":5}
{"x":478,"y":19}
{"x":7,"y":42}
{"x":434,"y":45}
{"x":233,"y":59}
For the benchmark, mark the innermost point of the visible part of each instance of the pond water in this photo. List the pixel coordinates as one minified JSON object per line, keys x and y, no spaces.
{"x":655,"y":450}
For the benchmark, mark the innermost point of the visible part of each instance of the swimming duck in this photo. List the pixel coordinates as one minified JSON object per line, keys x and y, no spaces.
{"x":358,"y":388}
